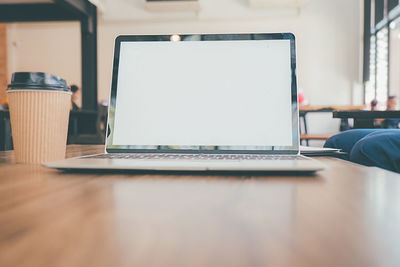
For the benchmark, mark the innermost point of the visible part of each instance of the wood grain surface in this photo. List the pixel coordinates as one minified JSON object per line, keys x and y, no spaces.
{"x":3,"y":63}
{"x":330,"y":108}
{"x":346,"y":216}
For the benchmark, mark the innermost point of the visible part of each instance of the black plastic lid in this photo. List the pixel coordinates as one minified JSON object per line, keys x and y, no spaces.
{"x":37,"y":81}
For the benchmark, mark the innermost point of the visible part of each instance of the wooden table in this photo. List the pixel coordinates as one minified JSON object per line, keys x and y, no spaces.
{"x":346,"y":216}
{"x":365,"y":118}
{"x":329,"y":108}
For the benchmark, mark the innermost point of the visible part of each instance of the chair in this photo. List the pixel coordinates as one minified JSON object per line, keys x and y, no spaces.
{"x":81,"y":136}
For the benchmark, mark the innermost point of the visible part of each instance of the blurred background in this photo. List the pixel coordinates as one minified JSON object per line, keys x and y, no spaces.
{"x":348,"y":51}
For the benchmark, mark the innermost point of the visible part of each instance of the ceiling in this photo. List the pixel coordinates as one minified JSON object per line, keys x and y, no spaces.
{"x":121,"y":10}
{"x":137,"y":10}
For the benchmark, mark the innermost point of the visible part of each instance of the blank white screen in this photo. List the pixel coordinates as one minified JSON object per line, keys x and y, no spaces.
{"x":208,"y":93}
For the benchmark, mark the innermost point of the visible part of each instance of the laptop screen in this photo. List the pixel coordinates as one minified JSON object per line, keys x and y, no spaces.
{"x":204,"y":95}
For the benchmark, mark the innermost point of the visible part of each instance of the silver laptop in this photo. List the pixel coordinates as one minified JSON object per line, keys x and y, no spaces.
{"x":212,"y":102}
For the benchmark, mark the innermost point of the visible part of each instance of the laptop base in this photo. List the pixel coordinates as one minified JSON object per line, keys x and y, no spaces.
{"x":302,"y":164}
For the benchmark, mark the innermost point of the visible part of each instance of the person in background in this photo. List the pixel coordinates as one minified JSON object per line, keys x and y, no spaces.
{"x":374,"y":104}
{"x":391,"y":104}
{"x":74,"y":97}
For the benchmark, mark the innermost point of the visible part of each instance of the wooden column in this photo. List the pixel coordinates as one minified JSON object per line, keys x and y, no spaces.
{"x":3,"y":63}
{"x":89,"y":59}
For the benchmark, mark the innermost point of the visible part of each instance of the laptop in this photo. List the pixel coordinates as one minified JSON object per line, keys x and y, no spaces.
{"x":202,"y":102}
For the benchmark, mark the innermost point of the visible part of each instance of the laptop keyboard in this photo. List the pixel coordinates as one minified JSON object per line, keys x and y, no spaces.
{"x":196,"y":156}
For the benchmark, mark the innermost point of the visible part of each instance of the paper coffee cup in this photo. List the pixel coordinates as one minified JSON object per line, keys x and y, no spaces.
{"x":39,"y":112}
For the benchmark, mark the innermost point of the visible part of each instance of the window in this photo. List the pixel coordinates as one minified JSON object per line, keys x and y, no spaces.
{"x":394,"y":58}
{"x":382,"y":54}
{"x":382,"y":65}
{"x":370,"y":84}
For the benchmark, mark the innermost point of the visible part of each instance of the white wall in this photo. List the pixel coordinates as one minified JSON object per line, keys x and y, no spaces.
{"x":47,"y":47}
{"x":328,"y":46}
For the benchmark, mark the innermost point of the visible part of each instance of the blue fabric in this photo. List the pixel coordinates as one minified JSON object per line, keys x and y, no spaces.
{"x":347,"y":139}
{"x":371,"y":147}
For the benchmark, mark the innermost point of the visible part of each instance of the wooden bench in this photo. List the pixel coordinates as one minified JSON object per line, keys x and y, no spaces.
{"x":315,"y":136}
